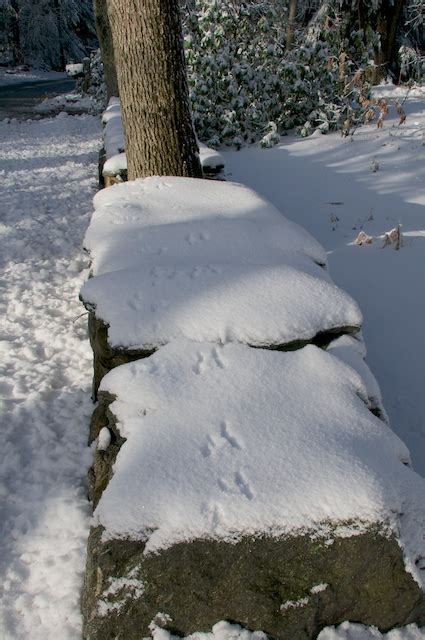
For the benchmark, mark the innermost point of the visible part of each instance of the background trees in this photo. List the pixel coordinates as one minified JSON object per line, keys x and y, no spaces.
{"x":261,"y":65}
{"x":45,"y":33}
{"x":244,"y":74}
{"x":296,"y":64}
{"x":253,"y":66}
{"x":104,"y":34}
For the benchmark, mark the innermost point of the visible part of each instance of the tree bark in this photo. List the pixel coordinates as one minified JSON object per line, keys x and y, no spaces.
{"x":104,"y":35}
{"x":148,"y":45}
{"x":13,"y":36}
{"x":58,"y":13}
{"x":387,"y":23}
{"x":291,"y":24}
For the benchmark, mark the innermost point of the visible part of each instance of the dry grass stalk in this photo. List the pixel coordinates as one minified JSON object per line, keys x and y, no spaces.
{"x":401,"y":113}
{"x":394,"y":238}
{"x":363,"y":238}
{"x":345,"y":131}
{"x":374,"y":165}
{"x":383,"y":110}
{"x":369,"y":115}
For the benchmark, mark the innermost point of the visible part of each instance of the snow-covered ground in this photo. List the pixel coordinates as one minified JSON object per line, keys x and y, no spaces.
{"x":328,"y":185}
{"x":47,"y":181}
{"x":69,"y":102}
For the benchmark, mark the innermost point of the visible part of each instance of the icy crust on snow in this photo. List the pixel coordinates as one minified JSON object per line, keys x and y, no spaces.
{"x":169,"y":221}
{"x":229,"y":441}
{"x":260,"y":305}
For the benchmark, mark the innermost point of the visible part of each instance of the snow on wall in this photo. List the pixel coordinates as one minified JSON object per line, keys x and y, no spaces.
{"x":230,"y":441}
{"x":207,"y":261}
{"x":177,"y":258}
{"x":346,"y":631}
{"x":169,"y":221}
{"x":260,"y":305}
{"x":352,"y":351}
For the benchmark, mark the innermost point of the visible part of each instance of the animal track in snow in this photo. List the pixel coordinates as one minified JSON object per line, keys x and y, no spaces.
{"x":193,"y":238}
{"x":207,"y":269}
{"x":134,"y":304}
{"x":226,"y":435}
{"x":199,"y":367}
{"x":214,"y":269}
{"x":217,"y":358}
{"x":216,"y":442}
{"x":243,"y":485}
{"x":159,"y":306}
{"x":208,"y":448}
{"x":158,"y":273}
{"x":224,"y":486}
{"x":214,"y":514}
{"x":196,"y":272}
{"x":211,"y":360}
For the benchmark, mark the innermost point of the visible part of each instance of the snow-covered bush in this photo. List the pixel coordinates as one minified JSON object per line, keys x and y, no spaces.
{"x":246,"y":85}
{"x":242,"y":77}
{"x":96,"y":88}
{"x":414,"y":19}
{"x":233,"y":54}
{"x":412,"y":63}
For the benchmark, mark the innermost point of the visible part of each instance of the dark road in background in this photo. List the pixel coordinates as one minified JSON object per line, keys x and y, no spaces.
{"x":17,"y":100}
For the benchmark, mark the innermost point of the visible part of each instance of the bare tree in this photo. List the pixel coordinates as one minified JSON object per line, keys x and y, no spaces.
{"x":382,"y":18}
{"x":290,"y":31}
{"x":387,"y":23}
{"x":104,"y":35}
{"x":149,"y":57}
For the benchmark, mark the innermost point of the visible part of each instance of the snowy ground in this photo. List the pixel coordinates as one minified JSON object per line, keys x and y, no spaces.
{"x":48,"y":177}
{"x":327,"y":184}
{"x":70,"y":102}
{"x":47,"y":181}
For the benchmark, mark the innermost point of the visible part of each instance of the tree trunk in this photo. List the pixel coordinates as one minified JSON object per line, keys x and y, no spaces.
{"x":291,"y":24}
{"x":14,"y":32}
{"x":148,"y":45}
{"x":58,"y":13}
{"x":362,"y":18}
{"x":104,"y":35}
{"x":387,"y":22}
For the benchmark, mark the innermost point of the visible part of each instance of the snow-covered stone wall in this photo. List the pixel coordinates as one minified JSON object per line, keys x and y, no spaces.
{"x":243,"y":456}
